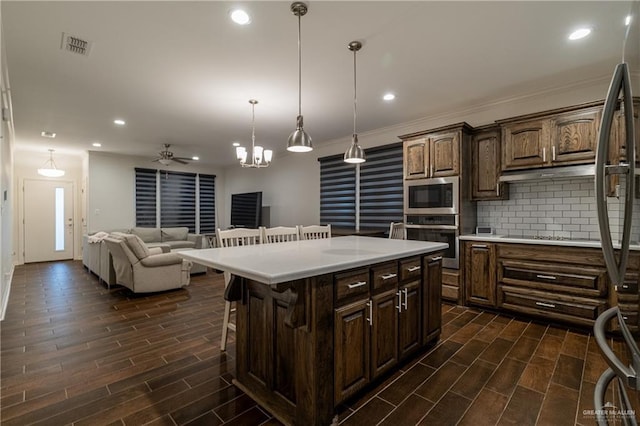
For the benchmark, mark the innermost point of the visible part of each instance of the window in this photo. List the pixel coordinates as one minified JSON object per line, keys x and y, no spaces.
{"x":369,"y":196}
{"x":175,"y":199}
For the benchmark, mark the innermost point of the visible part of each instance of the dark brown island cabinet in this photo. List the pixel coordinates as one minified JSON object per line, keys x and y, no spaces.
{"x":305,"y":346}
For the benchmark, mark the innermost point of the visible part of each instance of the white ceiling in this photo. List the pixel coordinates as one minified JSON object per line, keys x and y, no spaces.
{"x":182,"y":72}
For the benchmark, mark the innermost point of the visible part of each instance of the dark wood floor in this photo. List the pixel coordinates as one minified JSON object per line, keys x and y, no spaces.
{"x":73,"y":352}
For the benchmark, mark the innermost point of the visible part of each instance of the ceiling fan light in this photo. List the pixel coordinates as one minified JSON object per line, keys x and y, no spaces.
{"x":165,"y":161}
{"x":355,"y":153}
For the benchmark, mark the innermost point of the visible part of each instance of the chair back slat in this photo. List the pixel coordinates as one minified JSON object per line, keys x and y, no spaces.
{"x":397,"y":231}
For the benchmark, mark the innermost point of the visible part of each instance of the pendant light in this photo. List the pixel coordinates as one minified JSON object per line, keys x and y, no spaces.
{"x":299,"y":140}
{"x":260,"y":157}
{"x":355,"y":153}
{"x":49,"y":168}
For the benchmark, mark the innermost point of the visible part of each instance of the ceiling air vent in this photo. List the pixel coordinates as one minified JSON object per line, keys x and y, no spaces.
{"x":75,"y":44}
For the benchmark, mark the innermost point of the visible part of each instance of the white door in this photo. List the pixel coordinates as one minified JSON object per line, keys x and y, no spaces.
{"x":48,"y":220}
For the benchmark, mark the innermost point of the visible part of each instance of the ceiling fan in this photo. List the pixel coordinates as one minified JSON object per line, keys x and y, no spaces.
{"x":166,"y":157}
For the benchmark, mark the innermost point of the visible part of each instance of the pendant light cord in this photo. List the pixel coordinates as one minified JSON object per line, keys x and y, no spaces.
{"x":354,"y":92}
{"x":299,"y":66}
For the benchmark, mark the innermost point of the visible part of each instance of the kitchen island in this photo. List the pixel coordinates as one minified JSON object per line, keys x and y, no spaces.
{"x":319,"y":320}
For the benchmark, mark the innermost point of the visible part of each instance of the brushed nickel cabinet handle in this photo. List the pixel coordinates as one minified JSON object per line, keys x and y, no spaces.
{"x":553,"y":153}
{"x":388,"y":276}
{"x":399,"y":305}
{"x":479,"y":245}
{"x":356,"y":285}
{"x":431,"y":171}
{"x":413,"y":268}
{"x":435,"y":259}
{"x":406,"y":298}
{"x":497,"y":189}
{"x":546,"y":305}
{"x":370,"y":319}
{"x":544,"y":155}
{"x":546,"y":277}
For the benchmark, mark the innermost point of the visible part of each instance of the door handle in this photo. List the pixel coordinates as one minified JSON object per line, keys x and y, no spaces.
{"x":356,"y":285}
{"x":406,"y":298}
{"x":413,"y":268}
{"x":388,"y":276}
{"x":370,"y":319}
{"x":399,"y":305}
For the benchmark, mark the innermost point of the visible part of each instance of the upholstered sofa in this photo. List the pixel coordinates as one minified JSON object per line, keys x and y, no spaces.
{"x":96,"y":256}
{"x":144,"y":270}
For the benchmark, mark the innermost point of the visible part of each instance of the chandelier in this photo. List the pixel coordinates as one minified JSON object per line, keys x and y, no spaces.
{"x":258,"y":156}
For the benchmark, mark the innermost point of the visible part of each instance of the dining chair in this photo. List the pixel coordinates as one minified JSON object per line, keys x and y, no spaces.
{"x":397,"y":231}
{"x":278,"y":234}
{"x":233,"y":238}
{"x":314,"y":232}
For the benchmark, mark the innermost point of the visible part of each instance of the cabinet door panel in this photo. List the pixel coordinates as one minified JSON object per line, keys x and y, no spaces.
{"x":575,"y":137}
{"x":444,"y":154}
{"x":485,"y":160}
{"x":415,"y":159}
{"x":409,"y":318}
{"x":431,"y":298}
{"x":351,"y":362}
{"x":524,"y":144}
{"x":384,"y":332}
{"x":480,"y":274}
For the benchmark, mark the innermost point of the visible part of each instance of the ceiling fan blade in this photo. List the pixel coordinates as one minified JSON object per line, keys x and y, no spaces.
{"x":179,"y":161}
{"x":182,"y":158}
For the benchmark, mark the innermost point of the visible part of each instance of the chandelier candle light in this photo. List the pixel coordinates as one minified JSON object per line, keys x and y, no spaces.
{"x":260,"y":157}
{"x":49,"y":168}
{"x":355,"y":153}
{"x":299,"y":140}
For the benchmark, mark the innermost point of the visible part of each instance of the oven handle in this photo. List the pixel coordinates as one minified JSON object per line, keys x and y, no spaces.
{"x":445,"y":227}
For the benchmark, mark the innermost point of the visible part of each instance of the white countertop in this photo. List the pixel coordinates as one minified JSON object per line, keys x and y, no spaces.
{"x":524,"y":240}
{"x":282,"y":262}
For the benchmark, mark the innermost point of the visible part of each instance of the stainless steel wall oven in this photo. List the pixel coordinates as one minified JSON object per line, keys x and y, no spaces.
{"x":440,"y":228}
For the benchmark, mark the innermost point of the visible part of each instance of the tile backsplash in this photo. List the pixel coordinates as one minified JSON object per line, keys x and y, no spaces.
{"x":552,"y":208}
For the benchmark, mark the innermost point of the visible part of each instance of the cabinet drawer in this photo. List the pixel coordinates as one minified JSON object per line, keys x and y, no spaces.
{"x":385,"y":275}
{"x":410,"y":268}
{"x":352,"y":283}
{"x":580,"y":280}
{"x":574,"y":309}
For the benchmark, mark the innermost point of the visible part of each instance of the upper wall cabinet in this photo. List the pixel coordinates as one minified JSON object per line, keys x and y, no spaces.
{"x":434,"y":154}
{"x":563,"y":138}
{"x":485,"y":161}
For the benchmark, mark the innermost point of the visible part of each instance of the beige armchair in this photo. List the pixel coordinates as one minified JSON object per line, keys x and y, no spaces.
{"x":145,"y":270}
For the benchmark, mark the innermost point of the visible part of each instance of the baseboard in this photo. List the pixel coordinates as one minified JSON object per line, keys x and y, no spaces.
{"x":5,"y":296}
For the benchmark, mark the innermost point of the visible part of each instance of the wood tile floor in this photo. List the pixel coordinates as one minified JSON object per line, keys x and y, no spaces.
{"x":73,"y":352}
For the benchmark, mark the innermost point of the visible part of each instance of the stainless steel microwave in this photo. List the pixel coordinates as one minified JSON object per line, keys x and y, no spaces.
{"x":432,"y":196}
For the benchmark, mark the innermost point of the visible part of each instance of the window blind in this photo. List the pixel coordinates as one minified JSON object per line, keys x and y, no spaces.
{"x":178,"y":199}
{"x":145,"y":193}
{"x":207,"y":203}
{"x":381,"y":191}
{"x":337,"y":192}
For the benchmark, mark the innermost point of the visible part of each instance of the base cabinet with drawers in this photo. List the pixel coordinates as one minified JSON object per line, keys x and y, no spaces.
{"x":383,"y":315}
{"x":558,"y":283}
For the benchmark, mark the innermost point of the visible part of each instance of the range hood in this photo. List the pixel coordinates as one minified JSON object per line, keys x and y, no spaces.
{"x":583,"y":170}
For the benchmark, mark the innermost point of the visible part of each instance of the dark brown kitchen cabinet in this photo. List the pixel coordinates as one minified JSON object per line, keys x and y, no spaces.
{"x":480,"y":274}
{"x":408,"y":299}
{"x":553,"y":138}
{"x":485,"y":161}
{"x":436,"y":153}
{"x":384,"y":332}
{"x":352,"y":349}
{"x":431,"y":297}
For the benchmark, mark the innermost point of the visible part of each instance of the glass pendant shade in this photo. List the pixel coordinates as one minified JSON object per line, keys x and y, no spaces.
{"x":49,"y":168}
{"x":355,"y":153}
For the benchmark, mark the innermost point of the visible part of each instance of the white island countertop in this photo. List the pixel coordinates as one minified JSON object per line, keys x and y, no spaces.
{"x":282,"y":262}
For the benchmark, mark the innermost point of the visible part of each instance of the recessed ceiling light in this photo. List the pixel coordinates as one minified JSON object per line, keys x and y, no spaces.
{"x":195,"y":158}
{"x":46,"y":134}
{"x":389,"y":96}
{"x":627,"y":20}
{"x":97,"y":144}
{"x":240,"y":17}
{"x":119,"y":122}
{"x":579,"y":33}
{"x":236,"y":144}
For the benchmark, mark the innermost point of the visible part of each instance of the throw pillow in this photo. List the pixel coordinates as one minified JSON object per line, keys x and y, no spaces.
{"x":137,"y":246}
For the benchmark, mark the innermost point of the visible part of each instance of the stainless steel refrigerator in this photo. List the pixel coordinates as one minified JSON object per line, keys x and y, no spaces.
{"x":618,"y":222}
